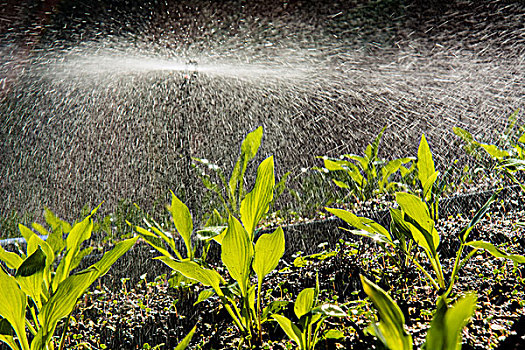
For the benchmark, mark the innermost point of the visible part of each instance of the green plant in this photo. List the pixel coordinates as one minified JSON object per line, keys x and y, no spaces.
{"x":311,"y":315}
{"x":231,"y":193}
{"x":366,"y":176}
{"x":445,"y":328}
{"x":239,"y":254}
{"x":411,"y":226}
{"x":40,"y":292}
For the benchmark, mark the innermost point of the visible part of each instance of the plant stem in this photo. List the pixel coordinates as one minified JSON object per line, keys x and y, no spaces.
{"x":64,"y":331}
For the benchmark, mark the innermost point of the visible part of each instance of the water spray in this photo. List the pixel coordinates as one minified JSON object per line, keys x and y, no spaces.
{"x":189,"y":75}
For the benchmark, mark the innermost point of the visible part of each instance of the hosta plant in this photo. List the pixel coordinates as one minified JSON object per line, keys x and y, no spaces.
{"x":413,"y":226}
{"x":311,"y":314}
{"x":38,"y":289}
{"x":239,"y":254}
{"x":445,"y":328}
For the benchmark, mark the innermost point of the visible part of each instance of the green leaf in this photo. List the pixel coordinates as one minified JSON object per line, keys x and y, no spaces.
{"x":480,"y":214}
{"x":11,"y":259}
{"x":494,"y":151}
{"x":183,"y":222}
{"x":425,"y":163}
{"x":269,"y":249}
{"x":447,"y":324}
{"x":7,"y":334}
{"x":13,"y":306}
{"x":205,"y":294}
{"x":209,"y":232}
{"x":237,"y":253}
{"x":186,"y":341}
{"x":34,"y":263}
{"x":63,"y":301}
{"x":290,"y":329}
{"x":427,"y":185}
{"x":390,"y":329}
{"x":417,"y":211}
{"x":256,"y":203}
{"x":249,"y":147}
{"x":340,"y":184}
{"x":30,"y":275}
{"x":375,"y":144}
{"x":196,"y":272}
{"x":361,"y":223}
{"x":304,"y":302}
{"x":333,"y":334}
{"x":79,"y":233}
{"x":496,"y":252}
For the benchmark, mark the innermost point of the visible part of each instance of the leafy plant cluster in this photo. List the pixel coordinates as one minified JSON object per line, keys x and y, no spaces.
{"x":41,"y":286}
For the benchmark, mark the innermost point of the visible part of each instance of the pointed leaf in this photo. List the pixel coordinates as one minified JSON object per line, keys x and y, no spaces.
{"x":425,"y":163}
{"x":496,"y":252}
{"x":12,"y":260}
{"x":390,"y":329}
{"x":249,"y":147}
{"x":268,"y":251}
{"x":304,"y":302}
{"x":187,"y":339}
{"x":289,"y":328}
{"x":13,"y":306}
{"x":447,"y":323}
{"x":183,"y":222}
{"x":194,"y":271}
{"x":256,"y":203}
{"x":237,"y":253}
{"x":361,"y":223}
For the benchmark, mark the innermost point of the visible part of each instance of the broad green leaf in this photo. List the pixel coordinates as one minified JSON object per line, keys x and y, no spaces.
{"x":496,"y":252}
{"x":290,"y":329}
{"x":333,"y":334}
{"x":183,"y":222}
{"x":375,"y":144}
{"x":34,"y":263}
{"x":12,"y":260}
{"x":304,"y":302}
{"x":425,"y":163}
{"x":335,"y":165}
{"x":428,"y":184}
{"x":237,"y":253}
{"x":256,"y":203}
{"x":30,"y":275}
{"x":269,"y":249}
{"x":420,"y":216}
{"x":361,"y":223}
{"x":390,"y":329}
{"x":196,"y":272}
{"x":447,"y":324}
{"x":13,"y":306}
{"x":522,"y":138}
{"x":186,"y":341}
{"x":152,"y":240}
